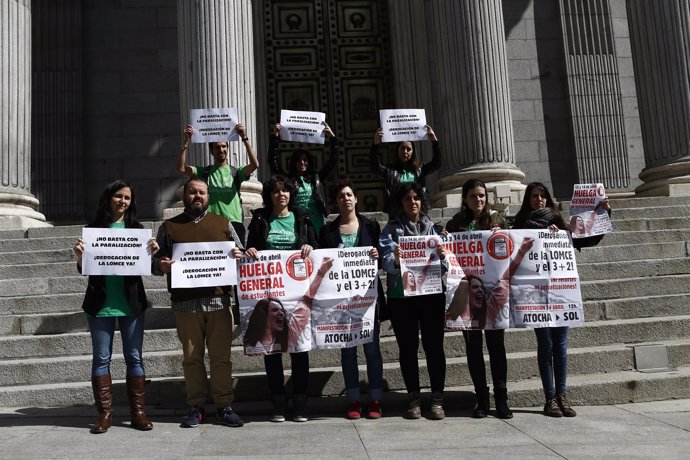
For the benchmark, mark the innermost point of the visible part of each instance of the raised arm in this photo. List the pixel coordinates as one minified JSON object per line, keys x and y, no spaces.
{"x":517,"y":260}
{"x":274,"y":152}
{"x":334,"y":153}
{"x":435,"y":163}
{"x":182,"y":166}
{"x":374,"y":160}
{"x":253,"y":165}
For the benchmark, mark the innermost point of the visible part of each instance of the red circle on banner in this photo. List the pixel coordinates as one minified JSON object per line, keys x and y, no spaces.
{"x":298,"y":268}
{"x":601,"y":191}
{"x":500,"y":246}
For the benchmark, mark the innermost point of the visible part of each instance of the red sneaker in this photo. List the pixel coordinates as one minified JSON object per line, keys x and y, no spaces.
{"x":374,"y":410}
{"x":354,"y":410}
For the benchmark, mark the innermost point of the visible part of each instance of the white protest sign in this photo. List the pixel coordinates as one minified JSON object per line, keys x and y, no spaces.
{"x":116,"y":251}
{"x":213,"y":125}
{"x":302,"y":126}
{"x":420,"y":266}
{"x":587,"y":216}
{"x":403,"y":125}
{"x":203,"y":265}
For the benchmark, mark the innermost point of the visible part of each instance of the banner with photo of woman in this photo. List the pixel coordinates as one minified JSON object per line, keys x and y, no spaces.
{"x":291,"y":304}
{"x":587,"y":216}
{"x":420,"y":266}
{"x":511,"y":278}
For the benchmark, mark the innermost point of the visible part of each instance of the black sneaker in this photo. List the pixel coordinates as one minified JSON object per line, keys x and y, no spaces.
{"x":226,"y":416}
{"x":194,"y":418}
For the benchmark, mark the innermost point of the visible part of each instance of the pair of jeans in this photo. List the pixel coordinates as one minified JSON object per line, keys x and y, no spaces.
{"x":552,"y":356}
{"x":348,"y":360}
{"x":276,"y":378}
{"x":102,"y":333}
{"x":474,"y":346}
{"x":410,"y":316}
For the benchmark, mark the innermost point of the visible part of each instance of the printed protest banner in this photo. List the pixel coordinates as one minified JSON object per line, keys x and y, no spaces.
{"x":420,"y":266}
{"x":290,"y":304}
{"x":302,"y":126}
{"x":478,"y":281}
{"x":213,"y":125}
{"x":121,"y":252}
{"x":587,"y":216}
{"x":345,"y":305}
{"x":516,"y":278}
{"x":545,"y":289}
{"x":203,"y":264}
{"x":403,"y":125}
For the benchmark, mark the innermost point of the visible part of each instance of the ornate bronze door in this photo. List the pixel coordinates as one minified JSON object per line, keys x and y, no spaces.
{"x":332,"y":56}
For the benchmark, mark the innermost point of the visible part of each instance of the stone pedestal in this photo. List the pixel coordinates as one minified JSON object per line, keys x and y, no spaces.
{"x":17,"y":205}
{"x":216,"y":46}
{"x":661,"y":55}
{"x":471,"y":98}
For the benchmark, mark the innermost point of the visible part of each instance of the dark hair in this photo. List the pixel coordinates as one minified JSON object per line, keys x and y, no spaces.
{"x":526,"y":207}
{"x":339,"y":186}
{"x":104,"y":215}
{"x":407,"y":187}
{"x":466,"y":215}
{"x":192,"y":179}
{"x":256,"y":327}
{"x":292,"y":164}
{"x":479,"y":316}
{"x":413,"y":163}
{"x":211,"y":144}
{"x":270,"y":186}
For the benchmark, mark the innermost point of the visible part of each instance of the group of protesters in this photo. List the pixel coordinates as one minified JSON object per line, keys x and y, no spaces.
{"x":294,"y":218}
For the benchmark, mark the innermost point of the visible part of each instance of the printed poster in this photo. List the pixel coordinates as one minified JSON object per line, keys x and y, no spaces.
{"x":420,"y":266}
{"x":116,"y":251}
{"x":214,"y":125}
{"x":302,"y":126}
{"x":587,"y":216}
{"x":203,"y":265}
{"x":403,"y":125}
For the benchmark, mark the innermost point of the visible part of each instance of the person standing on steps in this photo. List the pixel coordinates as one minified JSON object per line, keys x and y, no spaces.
{"x":223,"y":180}
{"x":116,"y":299}
{"x":202,"y":315}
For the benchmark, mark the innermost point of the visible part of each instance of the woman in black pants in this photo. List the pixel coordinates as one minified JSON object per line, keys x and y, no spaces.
{"x":410,"y":315}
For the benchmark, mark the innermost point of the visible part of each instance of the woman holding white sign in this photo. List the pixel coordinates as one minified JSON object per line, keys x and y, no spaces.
{"x":351,"y":229}
{"x":538,"y":211}
{"x":310,"y":194}
{"x":121,"y":299}
{"x":475,"y":214}
{"x":410,"y":315}
{"x":280,"y":225}
{"x":407,"y":168}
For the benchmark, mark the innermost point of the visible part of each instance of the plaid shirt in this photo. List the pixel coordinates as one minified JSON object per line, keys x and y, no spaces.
{"x":203,"y":304}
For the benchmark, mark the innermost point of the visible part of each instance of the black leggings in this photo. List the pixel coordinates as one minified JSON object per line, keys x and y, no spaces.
{"x":276,"y":378}
{"x":409,"y":315}
{"x":497,"y":356}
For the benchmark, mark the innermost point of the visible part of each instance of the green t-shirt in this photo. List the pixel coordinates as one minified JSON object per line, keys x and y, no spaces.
{"x":349,"y":240}
{"x":223,"y":190}
{"x":305,"y":200}
{"x":115,"y":301}
{"x":407,"y":176}
{"x":281,"y":234}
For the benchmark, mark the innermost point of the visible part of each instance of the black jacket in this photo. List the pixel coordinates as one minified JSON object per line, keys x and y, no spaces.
{"x":259,"y":228}
{"x":95,"y":290}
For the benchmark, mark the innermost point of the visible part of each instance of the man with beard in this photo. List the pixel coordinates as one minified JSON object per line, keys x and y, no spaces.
{"x":202,"y":315}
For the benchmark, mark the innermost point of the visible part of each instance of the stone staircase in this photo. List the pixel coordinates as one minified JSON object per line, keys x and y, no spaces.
{"x":636,"y":286}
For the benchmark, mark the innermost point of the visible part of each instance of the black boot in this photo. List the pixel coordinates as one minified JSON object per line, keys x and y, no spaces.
{"x":482,"y":409}
{"x":501,"y":399}
{"x":413,"y":406}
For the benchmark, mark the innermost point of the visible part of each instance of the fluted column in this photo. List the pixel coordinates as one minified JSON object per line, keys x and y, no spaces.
{"x":471,"y":98}
{"x":216,"y":46}
{"x":17,"y":205}
{"x":660,"y":42}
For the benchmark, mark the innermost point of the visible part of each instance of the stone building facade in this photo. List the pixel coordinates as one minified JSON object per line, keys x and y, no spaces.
{"x":556,"y":91}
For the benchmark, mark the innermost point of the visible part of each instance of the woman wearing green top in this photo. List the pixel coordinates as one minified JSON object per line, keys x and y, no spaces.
{"x":279,"y":225}
{"x":310,"y":194}
{"x":121,"y":299}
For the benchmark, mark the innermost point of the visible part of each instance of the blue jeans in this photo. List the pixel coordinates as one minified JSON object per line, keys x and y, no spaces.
{"x":348,"y":359}
{"x":552,"y":356}
{"x":102,"y":333}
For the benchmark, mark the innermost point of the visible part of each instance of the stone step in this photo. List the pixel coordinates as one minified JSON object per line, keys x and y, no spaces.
{"x":637,"y":307}
{"x":638,"y":225}
{"x":62,"y":303}
{"x":633,"y":268}
{"x":37,"y":244}
{"x":652,"y":212}
{"x":623,"y":253}
{"x":607,"y":387}
{"x":38,"y":257}
{"x":61,"y":285}
{"x":644,"y":237}
{"x":634,"y":287}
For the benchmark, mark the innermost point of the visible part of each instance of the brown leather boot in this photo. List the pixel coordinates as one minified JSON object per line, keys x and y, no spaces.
{"x":136,"y":391}
{"x":103,"y":395}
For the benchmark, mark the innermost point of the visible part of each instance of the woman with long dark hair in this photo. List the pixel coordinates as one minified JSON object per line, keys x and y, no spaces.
{"x":351,"y":229}
{"x":308,"y":180}
{"x":116,"y":299}
{"x":408,"y":167}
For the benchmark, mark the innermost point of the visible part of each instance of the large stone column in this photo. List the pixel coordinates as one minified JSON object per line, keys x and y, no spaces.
{"x":660,"y":41}
{"x":471,"y":99}
{"x":216,"y":45}
{"x":17,"y":204}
